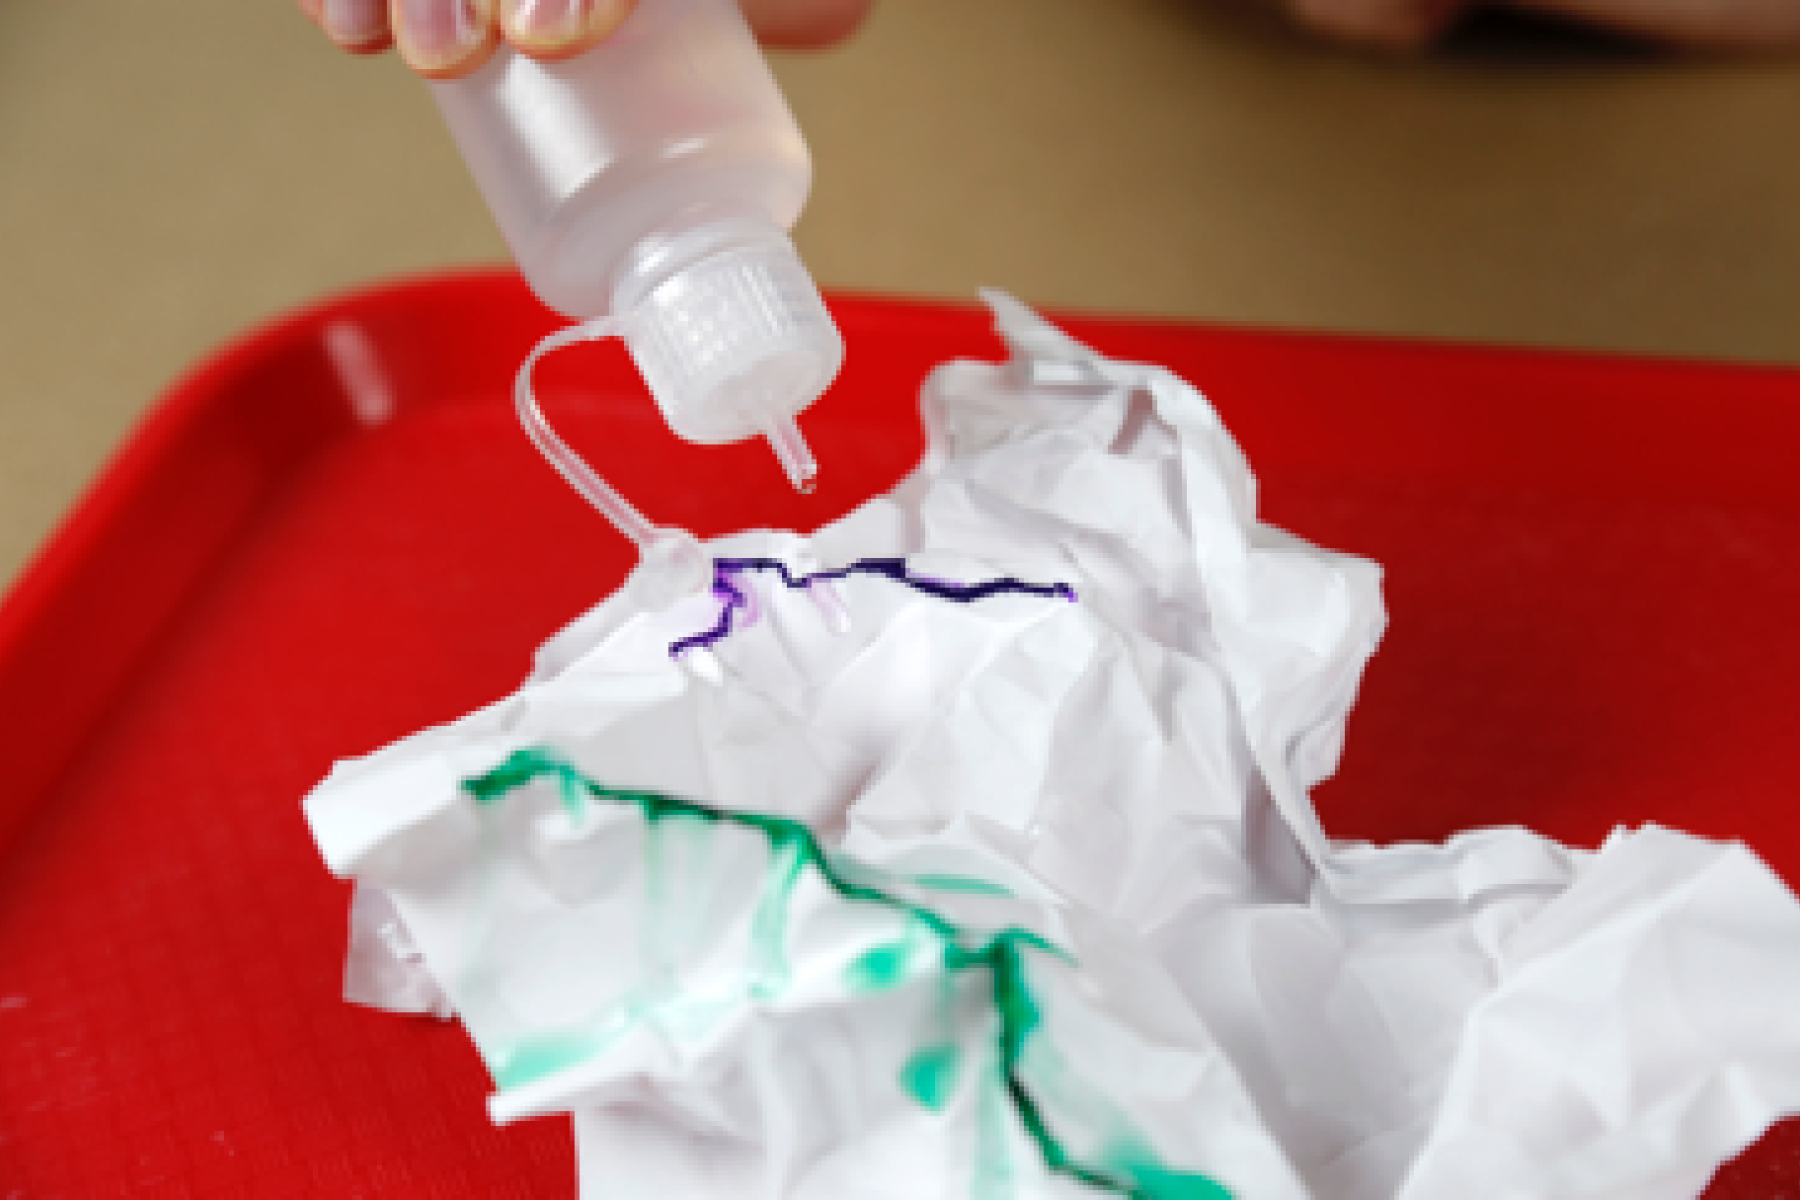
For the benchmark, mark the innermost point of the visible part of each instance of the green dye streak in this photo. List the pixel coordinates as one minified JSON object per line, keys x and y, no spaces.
{"x":994,"y":1168}
{"x":884,"y":968}
{"x":1133,"y":1161}
{"x":768,"y":933}
{"x":542,"y":1057}
{"x":961,"y":883}
{"x":574,"y":800}
{"x":929,"y":1075}
{"x":677,"y":847}
{"x":879,"y":970}
{"x":1130,"y":1171}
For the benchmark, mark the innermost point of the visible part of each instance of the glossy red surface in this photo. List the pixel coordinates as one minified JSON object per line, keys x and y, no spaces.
{"x":1591,"y":574}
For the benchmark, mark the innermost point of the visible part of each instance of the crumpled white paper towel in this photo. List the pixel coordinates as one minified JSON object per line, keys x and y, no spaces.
{"x":898,"y":887}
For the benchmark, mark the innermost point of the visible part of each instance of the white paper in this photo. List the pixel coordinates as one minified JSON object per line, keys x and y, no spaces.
{"x":1221,"y":991}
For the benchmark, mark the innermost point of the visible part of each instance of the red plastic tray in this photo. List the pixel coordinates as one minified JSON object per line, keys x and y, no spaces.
{"x":1591,"y":573}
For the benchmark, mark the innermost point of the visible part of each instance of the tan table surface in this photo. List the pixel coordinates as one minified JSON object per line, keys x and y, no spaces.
{"x":172,"y":172}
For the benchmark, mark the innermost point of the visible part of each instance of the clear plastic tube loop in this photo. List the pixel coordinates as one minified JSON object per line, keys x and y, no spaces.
{"x":570,"y":465}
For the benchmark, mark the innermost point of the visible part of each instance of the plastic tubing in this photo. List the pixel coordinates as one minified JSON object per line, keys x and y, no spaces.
{"x":570,"y":465}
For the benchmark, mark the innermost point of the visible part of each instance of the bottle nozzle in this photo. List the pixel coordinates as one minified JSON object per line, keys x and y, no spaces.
{"x":790,"y":447}
{"x":736,"y":341}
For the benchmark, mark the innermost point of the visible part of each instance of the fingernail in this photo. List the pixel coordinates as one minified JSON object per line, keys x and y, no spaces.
{"x":438,"y":35}
{"x":354,"y":22}
{"x":550,"y":25}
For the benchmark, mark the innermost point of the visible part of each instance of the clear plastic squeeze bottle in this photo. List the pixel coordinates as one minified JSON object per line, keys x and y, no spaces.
{"x":654,"y":178}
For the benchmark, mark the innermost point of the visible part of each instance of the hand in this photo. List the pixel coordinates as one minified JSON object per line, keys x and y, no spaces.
{"x":442,"y":39}
{"x":1730,"y":25}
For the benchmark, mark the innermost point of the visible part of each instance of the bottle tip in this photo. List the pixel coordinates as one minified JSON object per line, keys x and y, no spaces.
{"x":790,"y":447}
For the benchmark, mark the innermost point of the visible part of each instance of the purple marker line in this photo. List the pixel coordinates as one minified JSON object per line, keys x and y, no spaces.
{"x":734,"y":598}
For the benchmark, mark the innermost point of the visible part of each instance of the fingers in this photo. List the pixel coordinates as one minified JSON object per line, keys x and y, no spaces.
{"x":359,"y":26}
{"x":804,"y":24}
{"x":553,"y":29}
{"x":1735,"y":25}
{"x":444,"y":39}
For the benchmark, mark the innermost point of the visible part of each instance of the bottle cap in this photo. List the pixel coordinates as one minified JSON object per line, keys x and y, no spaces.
{"x":737,"y":342}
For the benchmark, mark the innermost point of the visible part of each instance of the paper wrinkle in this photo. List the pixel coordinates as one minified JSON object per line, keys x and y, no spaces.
{"x":1126,"y":777}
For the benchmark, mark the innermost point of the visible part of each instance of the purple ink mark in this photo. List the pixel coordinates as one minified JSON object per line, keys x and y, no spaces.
{"x":735,"y":598}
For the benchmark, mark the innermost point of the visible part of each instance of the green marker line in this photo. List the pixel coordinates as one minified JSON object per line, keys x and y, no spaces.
{"x":961,"y":883}
{"x":929,"y":1074}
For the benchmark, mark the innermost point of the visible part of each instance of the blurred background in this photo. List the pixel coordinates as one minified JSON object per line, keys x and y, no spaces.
{"x":172,"y":173}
